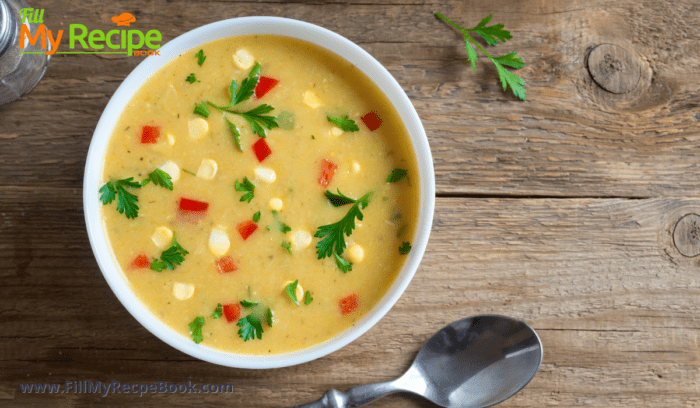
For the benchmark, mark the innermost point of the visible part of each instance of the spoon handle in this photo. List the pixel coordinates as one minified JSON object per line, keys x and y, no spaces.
{"x":354,"y":397}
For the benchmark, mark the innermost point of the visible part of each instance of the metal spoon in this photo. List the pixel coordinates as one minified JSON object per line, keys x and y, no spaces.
{"x":472,"y":363}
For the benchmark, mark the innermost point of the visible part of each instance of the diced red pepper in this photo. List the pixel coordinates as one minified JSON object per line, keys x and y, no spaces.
{"x":150,"y":134}
{"x":193,"y":205}
{"x":225,"y":265}
{"x":247,"y":228}
{"x":372,"y":120}
{"x":348,"y":304}
{"x":327,"y":171}
{"x":140,"y":262}
{"x":261,"y":149}
{"x":264,"y":86}
{"x":232,"y":312}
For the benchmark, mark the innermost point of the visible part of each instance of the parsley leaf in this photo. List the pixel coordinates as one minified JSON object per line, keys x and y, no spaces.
{"x":189,"y":172}
{"x":334,"y":240}
{"x":257,"y":120}
{"x":108,"y":193}
{"x":201,"y":110}
{"x":217,"y":312}
{"x":256,"y":217}
{"x":191,"y":78}
{"x":492,"y":34}
{"x":288,"y":246}
{"x":339,"y":199}
{"x":396,"y":175}
{"x":285,"y":228}
{"x":247,"y":303}
{"x":405,"y":248}
{"x":343,"y":265}
{"x":169,"y":258}
{"x":307,"y":298}
{"x":200,"y":57}
{"x":235,"y":134}
{"x":250,"y":327}
{"x":344,"y":123}
{"x":245,"y":92}
{"x":247,"y":187}
{"x":291,"y":290}
{"x":196,"y":329}
{"x":160,"y":178}
{"x":270,"y":317}
{"x":126,"y":202}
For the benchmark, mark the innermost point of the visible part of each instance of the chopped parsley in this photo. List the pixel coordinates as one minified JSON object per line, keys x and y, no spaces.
{"x":200,"y":57}
{"x":340,"y":199}
{"x":307,"y":298}
{"x":191,"y":78}
{"x":126,"y":203}
{"x":291,"y":290}
{"x":188,"y":172}
{"x":288,"y":246}
{"x":246,"y":186}
{"x":257,"y":119}
{"x":284,"y":228}
{"x":201,"y":110}
{"x":247,"y":303}
{"x":344,"y":123}
{"x":334,"y":234}
{"x":159,"y":178}
{"x":405,"y":248}
{"x":343,"y":265}
{"x":196,"y":329}
{"x":169,"y":258}
{"x":256,"y":217}
{"x":217,"y":312}
{"x":396,"y":175}
{"x":250,"y":328}
{"x":270,"y":317}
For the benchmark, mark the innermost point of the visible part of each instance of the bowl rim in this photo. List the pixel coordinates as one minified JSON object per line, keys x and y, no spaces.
{"x":227,"y":28}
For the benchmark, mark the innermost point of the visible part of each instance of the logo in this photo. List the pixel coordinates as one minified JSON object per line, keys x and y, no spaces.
{"x":82,"y":41}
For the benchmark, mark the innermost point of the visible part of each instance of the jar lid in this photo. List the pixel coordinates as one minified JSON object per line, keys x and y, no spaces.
{"x":8,"y":27}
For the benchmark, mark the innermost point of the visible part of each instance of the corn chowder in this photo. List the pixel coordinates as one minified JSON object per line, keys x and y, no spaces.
{"x":260,"y":194}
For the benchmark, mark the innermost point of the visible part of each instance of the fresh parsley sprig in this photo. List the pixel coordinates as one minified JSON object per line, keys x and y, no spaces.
{"x":200,"y":57}
{"x":191,"y":78}
{"x":291,"y":290}
{"x":246,"y":186}
{"x":343,"y":265}
{"x":405,"y":248}
{"x":396,"y":175}
{"x":340,"y":199}
{"x":169,"y":258}
{"x":257,"y":119}
{"x":334,"y":234}
{"x":344,"y":123}
{"x":196,"y":329}
{"x":217,"y":312}
{"x":126,"y":201}
{"x":492,"y":34}
{"x":308,"y":298}
{"x":250,"y":327}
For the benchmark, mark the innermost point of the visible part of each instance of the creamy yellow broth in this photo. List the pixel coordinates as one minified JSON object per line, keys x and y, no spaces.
{"x":264,"y":266}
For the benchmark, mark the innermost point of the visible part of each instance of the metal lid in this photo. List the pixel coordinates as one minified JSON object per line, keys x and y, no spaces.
{"x":8,"y":27}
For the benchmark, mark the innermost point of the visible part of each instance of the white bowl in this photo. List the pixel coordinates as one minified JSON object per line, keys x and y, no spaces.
{"x":228,"y":28}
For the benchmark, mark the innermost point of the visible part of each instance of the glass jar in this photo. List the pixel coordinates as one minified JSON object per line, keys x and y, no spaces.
{"x":19,"y":73}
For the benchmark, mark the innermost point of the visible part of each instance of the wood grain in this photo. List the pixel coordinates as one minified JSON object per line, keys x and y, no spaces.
{"x":560,"y":210}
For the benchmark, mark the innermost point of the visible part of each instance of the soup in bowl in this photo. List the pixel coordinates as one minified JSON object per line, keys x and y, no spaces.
{"x":260,"y":194}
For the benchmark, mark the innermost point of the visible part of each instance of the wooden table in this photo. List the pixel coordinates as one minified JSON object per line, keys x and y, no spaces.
{"x":560,"y":210}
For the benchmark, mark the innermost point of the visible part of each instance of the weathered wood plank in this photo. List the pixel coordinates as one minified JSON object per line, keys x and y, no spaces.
{"x":571,"y":138}
{"x":599,"y":279}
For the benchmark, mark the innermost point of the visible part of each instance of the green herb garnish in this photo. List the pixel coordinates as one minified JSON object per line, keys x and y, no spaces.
{"x":334,"y":234}
{"x":270,"y":317}
{"x":201,"y":110}
{"x":169,"y":258}
{"x":405,"y":248}
{"x":307,"y":298}
{"x":217,"y":312}
{"x":492,"y":34}
{"x":396,"y":175}
{"x":247,"y":303}
{"x":344,"y":123}
{"x":250,"y":328}
{"x":288,"y":246}
{"x":196,"y":329}
{"x":291,"y":290}
{"x":247,"y":187}
{"x":235,"y":134}
{"x":191,"y":78}
{"x":256,"y":217}
{"x":159,"y":178}
{"x":340,"y":199}
{"x":343,"y":265}
{"x":189,"y":172}
{"x":126,"y":203}
{"x":200,"y":57}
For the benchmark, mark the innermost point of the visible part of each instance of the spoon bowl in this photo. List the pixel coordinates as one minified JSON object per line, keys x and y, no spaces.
{"x":475,"y":362}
